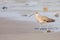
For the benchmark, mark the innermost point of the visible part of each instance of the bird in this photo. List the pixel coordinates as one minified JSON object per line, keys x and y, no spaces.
{"x":43,"y":19}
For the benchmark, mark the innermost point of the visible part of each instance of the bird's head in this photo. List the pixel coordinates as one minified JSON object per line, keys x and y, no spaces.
{"x":36,"y":13}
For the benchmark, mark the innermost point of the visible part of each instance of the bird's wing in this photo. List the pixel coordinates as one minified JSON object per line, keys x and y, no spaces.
{"x":44,"y":18}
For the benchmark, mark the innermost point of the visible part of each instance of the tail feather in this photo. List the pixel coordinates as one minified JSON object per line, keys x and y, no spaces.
{"x":51,"y":20}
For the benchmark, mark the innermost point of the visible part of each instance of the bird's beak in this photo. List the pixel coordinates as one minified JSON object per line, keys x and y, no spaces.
{"x":31,"y":15}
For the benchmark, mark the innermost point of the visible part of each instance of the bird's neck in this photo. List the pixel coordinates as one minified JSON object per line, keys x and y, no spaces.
{"x":36,"y":15}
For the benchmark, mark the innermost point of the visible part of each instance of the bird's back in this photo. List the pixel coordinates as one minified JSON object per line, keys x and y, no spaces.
{"x":44,"y":19}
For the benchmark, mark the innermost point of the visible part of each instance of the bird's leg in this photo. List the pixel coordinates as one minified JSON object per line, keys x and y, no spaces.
{"x":42,"y":25}
{"x":48,"y":28}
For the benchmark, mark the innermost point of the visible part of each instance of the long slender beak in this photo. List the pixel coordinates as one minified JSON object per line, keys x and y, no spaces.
{"x":31,"y":15}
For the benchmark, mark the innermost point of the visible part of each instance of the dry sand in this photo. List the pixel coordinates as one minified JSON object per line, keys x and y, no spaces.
{"x":23,"y":30}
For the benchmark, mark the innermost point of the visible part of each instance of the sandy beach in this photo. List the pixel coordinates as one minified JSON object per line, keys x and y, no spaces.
{"x":15,"y":26}
{"x":31,"y":36}
{"x":23,"y":30}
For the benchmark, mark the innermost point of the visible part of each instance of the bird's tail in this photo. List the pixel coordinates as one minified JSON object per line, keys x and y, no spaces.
{"x":52,"y":20}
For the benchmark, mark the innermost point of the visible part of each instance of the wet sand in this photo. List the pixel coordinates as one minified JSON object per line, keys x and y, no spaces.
{"x":23,"y":30}
{"x":15,"y":27}
{"x":31,"y":36}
